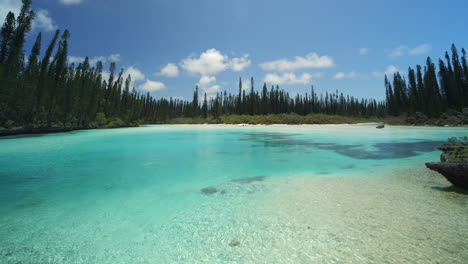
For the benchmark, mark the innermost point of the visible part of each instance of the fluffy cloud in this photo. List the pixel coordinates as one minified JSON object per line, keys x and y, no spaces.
{"x":135,"y":73}
{"x":350,"y":75}
{"x":94,"y":60}
{"x":391,"y":69}
{"x":340,"y":75}
{"x":311,"y":60}
{"x":114,"y":57}
{"x":363,"y":51}
{"x":71,"y":2}
{"x":209,"y":63}
{"x":239,"y":64}
{"x":44,"y":21}
{"x":152,"y":86}
{"x":207,"y":83}
{"x":405,"y":50}
{"x":398,"y":51}
{"x":170,"y":70}
{"x":290,"y":78}
{"x":212,"y":61}
{"x":420,"y":50}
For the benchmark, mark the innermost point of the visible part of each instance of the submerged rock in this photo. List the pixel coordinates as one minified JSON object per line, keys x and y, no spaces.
{"x":250,"y":180}
{"x":454,"y":164}
{"x":209,"y":190}
{"x":234,"y":243}
{"x":380,"y":126}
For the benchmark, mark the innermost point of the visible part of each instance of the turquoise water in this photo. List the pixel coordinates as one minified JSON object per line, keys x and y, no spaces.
{"x":134,"y":195}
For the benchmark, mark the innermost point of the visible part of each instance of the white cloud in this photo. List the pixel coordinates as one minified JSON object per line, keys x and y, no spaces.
{"x":170,"y":70}
{"x":239,"y":64}
{"x":398,"y":51}
{"x":95,"y":59}
{"x":207,"y":83}
{"x":290,"y":78}
{"x":245,"y":84}
{"x":363,"y":51}
{"x":151,"y":86}
{"x":350,"y":75}
{"x":340,"y":75}
{"x":403,"y":50}
{"x":44,"y":21}
{"x":105,"y":75}
{"x":420,"y":50}
{"x":212,"y":61}
{"x":212,"y":89}
{"x":114,"y":57}
{"x":391,"y":69}
{"x":71,"y":2}
{"x":311,"y":60}
{"x":206,"y":80}
{"x":209,"y":62}
{"x":135,"y":73}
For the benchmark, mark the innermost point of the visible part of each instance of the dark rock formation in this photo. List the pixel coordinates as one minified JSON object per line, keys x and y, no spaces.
{"x":250,"y":180}
{"x":209,"y":190}
{"x":380,"y":126}
{"x":34,"y":130}
{"x":45,"y":129}
{"x":450,"y":118}
{"x":454,"y":164}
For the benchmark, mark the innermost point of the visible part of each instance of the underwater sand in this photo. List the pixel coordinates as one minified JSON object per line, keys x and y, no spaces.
{"x":295,"y":194}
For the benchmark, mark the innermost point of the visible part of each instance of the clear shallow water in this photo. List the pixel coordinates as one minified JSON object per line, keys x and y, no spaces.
{"x":133,"y":195}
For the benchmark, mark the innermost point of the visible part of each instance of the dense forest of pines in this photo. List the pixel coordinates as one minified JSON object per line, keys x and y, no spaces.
{"x":428,"y":91}
{"x":45,"y":90}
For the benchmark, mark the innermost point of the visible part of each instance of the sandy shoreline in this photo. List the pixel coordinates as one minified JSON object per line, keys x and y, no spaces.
{"x":404,"y":215}
{"x":371,"y":125}
{"x":407,"y":215}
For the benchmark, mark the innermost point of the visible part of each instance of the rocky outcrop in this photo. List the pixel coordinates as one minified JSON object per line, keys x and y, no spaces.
{"x":453,"y":164}
{"x":44,"y":129}
{"x":209,"y":190}
{"x":380,"y":126}
{"x":34,"y":130}
{"x":450,"y":118}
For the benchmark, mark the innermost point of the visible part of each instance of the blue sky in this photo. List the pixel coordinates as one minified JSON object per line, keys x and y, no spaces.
{"x":169,"y":46}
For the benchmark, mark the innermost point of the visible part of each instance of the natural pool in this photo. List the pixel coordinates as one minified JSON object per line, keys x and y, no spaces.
{"x":288,"y":194}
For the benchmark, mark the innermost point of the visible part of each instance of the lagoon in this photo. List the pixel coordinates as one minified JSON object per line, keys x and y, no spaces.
{"x":288,"y":194}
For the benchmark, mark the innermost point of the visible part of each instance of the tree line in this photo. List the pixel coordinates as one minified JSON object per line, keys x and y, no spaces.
{"x":44,"y":89}
{"x":428,"y":90}
{"x":279,"y":101}
{"x":48,"y":90}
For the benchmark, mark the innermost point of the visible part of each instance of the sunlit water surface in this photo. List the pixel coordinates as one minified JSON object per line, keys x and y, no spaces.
{"x":180,"y":194}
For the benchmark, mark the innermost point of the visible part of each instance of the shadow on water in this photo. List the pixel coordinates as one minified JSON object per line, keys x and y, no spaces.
{"x":378,"y":151}
{"x":250,"y":180}
{"x":265,"y":135}
{"x":35,"y":135}
{"x":391,"y":150}
{"x":450,"y":189}
{"x":222,"y":188}
{"x":29,"y":205}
